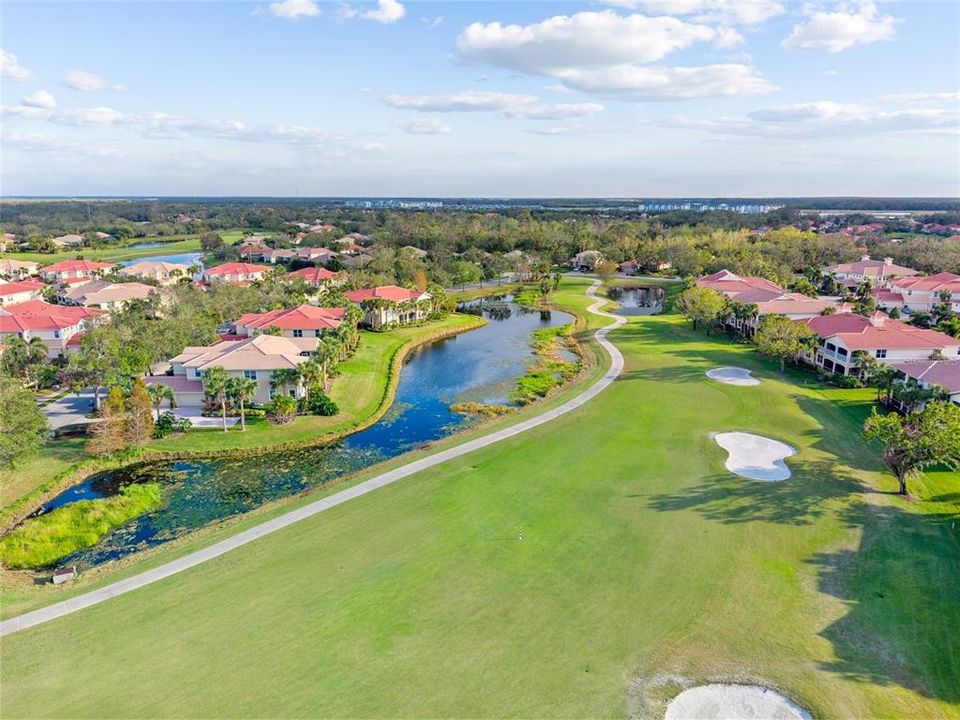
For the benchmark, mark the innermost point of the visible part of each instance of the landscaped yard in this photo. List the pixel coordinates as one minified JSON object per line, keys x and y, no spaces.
{"x":641,"y":558}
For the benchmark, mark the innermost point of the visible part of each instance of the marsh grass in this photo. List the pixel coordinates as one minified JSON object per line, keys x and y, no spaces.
{"x":550,"y":370}
{"x":43,"y":540}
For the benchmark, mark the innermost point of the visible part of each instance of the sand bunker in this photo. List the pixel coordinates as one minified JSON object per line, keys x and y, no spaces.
{"x":732,"y":376}
{"x":733,"y":702}
{"x":754,"y":456}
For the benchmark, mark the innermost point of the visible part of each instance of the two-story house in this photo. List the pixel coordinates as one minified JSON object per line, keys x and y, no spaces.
{"x":923,"y":293}
{"x":164,"y":273}
{"x":879,"y":272}
{"x":17,"y":269}
{"x":391,"y":305}
{"x":842,"y":336}
{"x":74,"y":269}
{"x":20,"y":291}
{"x":58,"y":326}
{"x":257,"y":358}
{"x":305,"y":322}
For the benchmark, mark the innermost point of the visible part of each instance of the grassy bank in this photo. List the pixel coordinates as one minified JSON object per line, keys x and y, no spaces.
{"x":550,"y":370}
{"x":641,"y":557}
{"x":41,"y":541}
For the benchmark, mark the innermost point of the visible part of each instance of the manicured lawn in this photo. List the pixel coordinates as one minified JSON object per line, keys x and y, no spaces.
{"x":171,"y":246}
{"x":52,"y":459}
{"x":641,"y":557}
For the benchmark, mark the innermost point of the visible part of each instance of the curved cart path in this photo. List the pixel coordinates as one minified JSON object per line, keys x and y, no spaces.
{"x":94,"y":597}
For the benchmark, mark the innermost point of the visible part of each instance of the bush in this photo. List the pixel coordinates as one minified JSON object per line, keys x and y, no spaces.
{"x":169,"y":423}
{"x":321,"y":404}
{"x":282,"y":410}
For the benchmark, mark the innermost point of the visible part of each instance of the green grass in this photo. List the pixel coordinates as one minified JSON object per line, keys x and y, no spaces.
{"x":550,"y":370}
{"x":41,"y":541}
{"x":641,"y":556}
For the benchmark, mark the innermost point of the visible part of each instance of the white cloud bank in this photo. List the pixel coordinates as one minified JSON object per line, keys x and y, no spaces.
{"x":294,"y":9}
{"x":849,"y":25}
{"x":424,"y":126}
{"x":510,"y":104}
{"x":604,"y":53}
{"x":85,"y":81}
{"x":927,"y":113}
{"x":39,"y":99}
{"x":729,"y":12}
{"x":11,"y":69}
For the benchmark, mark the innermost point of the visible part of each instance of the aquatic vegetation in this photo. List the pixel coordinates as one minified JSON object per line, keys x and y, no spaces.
{"x":41,"y":541}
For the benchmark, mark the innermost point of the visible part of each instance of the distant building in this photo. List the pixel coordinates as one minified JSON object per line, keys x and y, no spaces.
{"x":929,"y":373}
{"x":877,"y":271}
{"x":106,"y":295}
{"x":164,"y":273}
{"x":303,"y":322}
{"x":235,"y":272}
{"x":923,"y":293}
{"x":316,"y":276}
{"x":72,"y":269}
{"x":17,"y":269}
{"x":68,"y":241}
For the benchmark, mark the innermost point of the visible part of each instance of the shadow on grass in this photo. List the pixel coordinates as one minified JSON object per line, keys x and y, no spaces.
{"x":806,"y":496}
{"x":902,"y":590}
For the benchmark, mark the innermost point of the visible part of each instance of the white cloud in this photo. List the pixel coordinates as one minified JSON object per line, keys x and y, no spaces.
{"x":424,"y":126}
{"x":604,"y":53}
{"x":587,"y":39}
{"x":82,"y":80}
{"x":11,"y":69}
{"x":561,"y":111}
{"x":37,"y":142}
{"x":736,"y":12}
{"x":432,"y":22}
{"x":294,"y":9}
{"x":467,"y":101}
{"x":825,"y":118}
{"x":831,"y":73}
{"x":388,"y":11}
{"x":639,"y":84}
{"x":857,"y":23}
{"x":39,"y":99}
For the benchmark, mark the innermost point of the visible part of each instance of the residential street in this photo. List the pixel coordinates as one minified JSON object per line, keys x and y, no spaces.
{"x":71,"y":409}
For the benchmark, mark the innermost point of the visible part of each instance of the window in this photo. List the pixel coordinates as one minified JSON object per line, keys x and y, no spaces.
{"x":56,"y":334}
{"x":250,"y":374}
{"x":271,"y":393}
{"x":196,"y":373}
{"x":316,"y":333}
{"x":293,"y":392}
{"x":298,"y":333}
{"x":881,"y":354}
{"x":841,"y":352}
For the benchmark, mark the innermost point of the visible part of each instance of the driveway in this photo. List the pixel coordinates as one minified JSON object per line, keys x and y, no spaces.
{"x":195,"y":416}
{"x":71,"y":409}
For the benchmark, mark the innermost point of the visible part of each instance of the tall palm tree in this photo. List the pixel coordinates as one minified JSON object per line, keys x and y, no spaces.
{"x":23,"y":358}
{"x":215,"y":381}
{"x":285,"y":376}
{"x":240,"y":389}
{"x":328,"y":350}
{"x":158,"y":393}
{"x":312,"y":374}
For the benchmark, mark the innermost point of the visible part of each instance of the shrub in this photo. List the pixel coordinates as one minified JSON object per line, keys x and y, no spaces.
{"x":170,"y":423}
{"x":282,"y":410}
{"x":321,"y":404}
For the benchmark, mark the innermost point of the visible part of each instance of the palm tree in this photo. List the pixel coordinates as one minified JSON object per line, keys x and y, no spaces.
{"x":285,"y":376}
{"x":159,"y":392}
{"x":311,"y":373}
{"x":23,"y":357}
{"x":240,"y":389}
{"x":215,"y":381}
{"x":885,"y":378}
{"x":328,"y":350}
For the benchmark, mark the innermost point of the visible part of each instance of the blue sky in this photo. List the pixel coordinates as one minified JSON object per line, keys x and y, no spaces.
{"x":614,"y":98}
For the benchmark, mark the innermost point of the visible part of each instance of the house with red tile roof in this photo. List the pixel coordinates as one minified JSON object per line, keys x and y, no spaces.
{"x":20,"y":291}
{"x":235,"y":272}
{"x":841,"y":336}
{"x":305,"y":321}
{"x":165,"y":273}
{"x":270,"y":255}
{"x":923,"y":293}
{"x":767,"y":297}
{"x":72,"y":269}
{"x":56,"y":325}
{"x":390,"y":305}
{"x":929,"y":373}
{"x":877,"y":271}
{"x":316,"y":276}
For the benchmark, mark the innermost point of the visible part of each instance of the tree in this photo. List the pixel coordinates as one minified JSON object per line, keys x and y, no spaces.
{"x":241,"y":389}
{"x":211,"y":242}
{"x":24,"y":359}
{"x":701,"y":305}
{"x":215,"y":383}
{"x":312,"y":374}
{"x":780,"y":337}
{"x":23,"y":427}
{"x":109,"y":434}
{"x":139,"y":418}
{"x":918,"y":440}
{"x":158,"y":393}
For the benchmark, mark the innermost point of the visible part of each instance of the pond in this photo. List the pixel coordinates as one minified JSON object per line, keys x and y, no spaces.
{"x":190,"y":258}
{"x":637,"y":300}
{"x":480,"y":366}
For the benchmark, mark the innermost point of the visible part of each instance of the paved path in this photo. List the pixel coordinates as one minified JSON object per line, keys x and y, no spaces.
{"x":173,"y":567}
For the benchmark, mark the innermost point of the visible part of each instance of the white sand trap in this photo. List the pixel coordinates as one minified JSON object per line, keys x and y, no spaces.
{"x":754,"y":456}
{"x":733,"y":702}
{"x":732,"y":376}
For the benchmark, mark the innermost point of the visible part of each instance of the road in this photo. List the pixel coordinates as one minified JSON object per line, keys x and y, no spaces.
{"x":95,"y":597}
{"x":70,"y":409}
